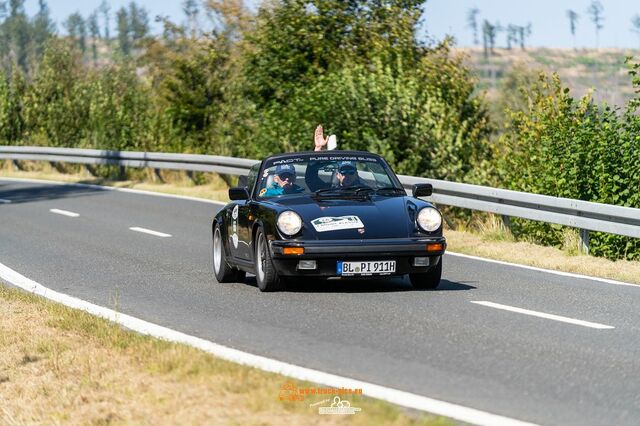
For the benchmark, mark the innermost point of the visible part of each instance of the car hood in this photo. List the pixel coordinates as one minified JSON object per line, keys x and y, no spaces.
{"x":381,"y":217}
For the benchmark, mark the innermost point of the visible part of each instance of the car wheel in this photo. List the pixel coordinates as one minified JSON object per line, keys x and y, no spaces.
{"x":427,"y":280}
{"x":266,"y":275}
{"x":224,"y":273}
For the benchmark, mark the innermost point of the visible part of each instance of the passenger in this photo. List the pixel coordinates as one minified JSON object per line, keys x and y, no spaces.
{"x":319,"y":139}
{"x":346,"y":173}
{"x":284,"y":182}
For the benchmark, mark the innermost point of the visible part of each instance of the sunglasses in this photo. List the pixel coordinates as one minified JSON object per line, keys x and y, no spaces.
{"x":348,"y":172}
{"x":285,"y":176}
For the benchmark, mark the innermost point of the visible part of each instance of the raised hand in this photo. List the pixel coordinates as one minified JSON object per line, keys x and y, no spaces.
{"x":319,"y":139}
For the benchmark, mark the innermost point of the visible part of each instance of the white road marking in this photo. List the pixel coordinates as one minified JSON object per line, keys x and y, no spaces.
{"x":3,"y":201}
{"x":395,"y":396}
{"x":64,"y":212}
{"x":111,"y":188}
{"x":544,"y":315}
{"x":150,"y":232}
{"x":548,"y":271}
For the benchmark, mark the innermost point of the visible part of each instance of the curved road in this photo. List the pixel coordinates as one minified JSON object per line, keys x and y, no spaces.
{"x":540,"y":365}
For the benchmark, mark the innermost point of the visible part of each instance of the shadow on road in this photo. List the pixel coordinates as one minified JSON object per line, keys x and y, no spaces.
{"x":398,"y":284}
{"x":29,"y":192}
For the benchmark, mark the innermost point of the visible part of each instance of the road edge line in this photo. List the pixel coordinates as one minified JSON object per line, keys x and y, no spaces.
{"x":549,"y":271}
{"x":113,"y":188}
{"x":395,"y":396}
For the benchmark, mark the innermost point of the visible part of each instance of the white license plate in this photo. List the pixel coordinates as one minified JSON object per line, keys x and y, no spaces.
{"x":379,"y":267}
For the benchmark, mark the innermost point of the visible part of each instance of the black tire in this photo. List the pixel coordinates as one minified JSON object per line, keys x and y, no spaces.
{"x":428,"y":280}
{"x":266,"y":275}
{"x":223,"y":272}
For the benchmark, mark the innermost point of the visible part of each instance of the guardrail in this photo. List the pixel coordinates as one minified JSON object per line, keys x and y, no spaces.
{"x":586,"y":216}
{"x":155,"y":160}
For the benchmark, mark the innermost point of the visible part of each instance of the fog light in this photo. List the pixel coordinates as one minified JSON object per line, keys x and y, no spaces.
{"x":435,"y":247}
{"x":421,"y":261}
{"x":293,"y":250}
{"x":307,"y":264}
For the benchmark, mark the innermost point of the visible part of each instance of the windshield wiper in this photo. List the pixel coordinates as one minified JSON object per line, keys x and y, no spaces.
{"x":357,"y":189}
{"x":327,"y":191}
{"x":393,"y":189}
{"x":338,"y":191}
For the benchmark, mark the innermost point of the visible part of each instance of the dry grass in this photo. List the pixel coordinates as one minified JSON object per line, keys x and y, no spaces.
{"x":63,"y":366}
{"x":567,"y":260}
{"x":580,"y":69}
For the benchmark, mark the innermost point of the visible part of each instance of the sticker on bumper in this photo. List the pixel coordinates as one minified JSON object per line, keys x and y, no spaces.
{"x":328,"y":223}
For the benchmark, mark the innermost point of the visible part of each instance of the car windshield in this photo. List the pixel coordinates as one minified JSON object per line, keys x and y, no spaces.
{"x":328,"y":176}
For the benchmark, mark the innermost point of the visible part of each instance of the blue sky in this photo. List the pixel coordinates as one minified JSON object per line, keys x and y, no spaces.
{"x":548,"y":18}
{"x":441,"y":17}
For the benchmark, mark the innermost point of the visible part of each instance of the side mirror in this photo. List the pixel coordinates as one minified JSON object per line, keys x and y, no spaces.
{"x":422,"y":189}
{"x":238,"y":193}
{"x":242,"y":180}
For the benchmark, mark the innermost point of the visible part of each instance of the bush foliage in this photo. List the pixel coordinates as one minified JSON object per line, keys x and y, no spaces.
{"x":576,"y":149}
{"x":260,"y":84}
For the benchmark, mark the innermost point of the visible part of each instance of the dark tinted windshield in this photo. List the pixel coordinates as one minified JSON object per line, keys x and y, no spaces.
{"x":324,"y":173}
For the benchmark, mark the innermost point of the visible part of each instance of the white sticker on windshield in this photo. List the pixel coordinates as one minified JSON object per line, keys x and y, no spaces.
{"x":328,"y":223}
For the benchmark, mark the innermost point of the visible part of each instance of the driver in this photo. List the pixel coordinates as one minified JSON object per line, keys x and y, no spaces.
{"x":284,"y":182}
{"x":347,"y":174}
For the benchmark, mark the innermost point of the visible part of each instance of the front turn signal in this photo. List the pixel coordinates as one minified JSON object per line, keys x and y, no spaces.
{"x":433,"y":247}
{"x":293,"y":250}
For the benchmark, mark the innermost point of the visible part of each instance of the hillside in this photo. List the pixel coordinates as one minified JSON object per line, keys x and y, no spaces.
{"x":580,"y":69}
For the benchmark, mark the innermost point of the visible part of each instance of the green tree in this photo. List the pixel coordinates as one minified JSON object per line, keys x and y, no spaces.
{"x":139,"y":22}
{"x":119,"y":108}
{"x":43,"y":28}
{"x":489,"y":32}
{"x":55,"y":109}
{"x":15,"y":32}
{"x":94,"y":31}
{"x":12,"y":92}
{"x":77,"y":29}
{"x":472,"y":22}
{"x":635,"y":24}
{"x":573,"y":21}
{"x":191,"y":11}
{"x":512,"y":35}
{"x":105,"y":11}
{"x":124,"y":31}
{"x":595,"y":11}
{"x":296,"y":41}
{"x":523,"y":33}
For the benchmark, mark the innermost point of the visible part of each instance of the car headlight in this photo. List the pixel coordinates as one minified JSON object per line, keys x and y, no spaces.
{"x":289,"y":222}
{"x":429,"y":219}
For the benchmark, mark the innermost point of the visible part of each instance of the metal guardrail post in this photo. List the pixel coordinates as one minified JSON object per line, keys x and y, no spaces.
{"x":506,"y":222}
{"x":584,"y":241}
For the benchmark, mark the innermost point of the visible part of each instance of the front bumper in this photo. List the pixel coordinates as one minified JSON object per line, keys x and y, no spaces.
{"x":327,"y":253}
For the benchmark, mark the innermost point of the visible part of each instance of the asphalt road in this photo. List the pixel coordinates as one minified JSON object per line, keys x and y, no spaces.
{"x":433,"y":343}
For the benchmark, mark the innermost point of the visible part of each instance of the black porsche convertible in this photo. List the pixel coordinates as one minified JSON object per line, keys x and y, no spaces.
{"x":329,"y":214}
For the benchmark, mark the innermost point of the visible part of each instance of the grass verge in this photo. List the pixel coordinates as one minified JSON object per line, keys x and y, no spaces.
{"x":490,"y":239}
{"x":63,"y":366}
